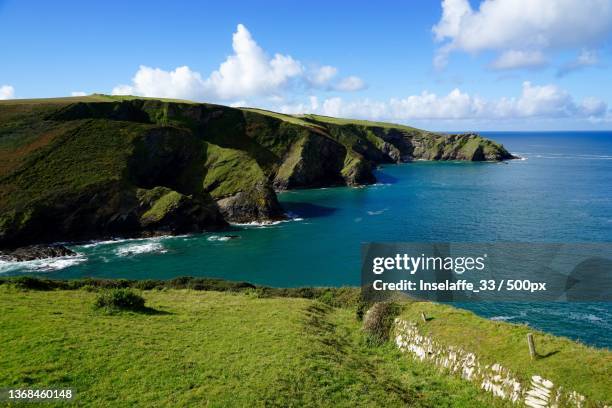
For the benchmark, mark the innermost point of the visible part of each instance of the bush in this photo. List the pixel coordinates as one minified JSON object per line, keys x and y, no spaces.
{"x":378,"y":320}
{"x":32,"y":283}
{"x":257,"y":293}
{"x":362,"y":308}
{"x":148,"y":284}
{"x":119,"y":299}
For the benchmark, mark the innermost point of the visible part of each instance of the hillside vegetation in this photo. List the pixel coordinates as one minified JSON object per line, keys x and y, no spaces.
{"x":87,"y":167}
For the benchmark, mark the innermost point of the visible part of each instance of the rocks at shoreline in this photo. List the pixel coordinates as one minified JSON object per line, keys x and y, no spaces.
{"x":33,"y":252}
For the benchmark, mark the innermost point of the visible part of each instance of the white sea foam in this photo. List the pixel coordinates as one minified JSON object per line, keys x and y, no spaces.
{"x":502,"y":318}
{"x":42,"y":265}
{"x":257,"y":223}
{"x":218,"y":238}
{"x":264,"y":224}
{"x":93,"y":244}
{"x":137,"y":249}
{"x":588,"y":317}
{"x":293,"y":216}
{"x":377,"y":212}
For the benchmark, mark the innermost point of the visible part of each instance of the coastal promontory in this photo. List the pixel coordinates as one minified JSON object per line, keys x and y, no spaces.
{"x":98,"y":166}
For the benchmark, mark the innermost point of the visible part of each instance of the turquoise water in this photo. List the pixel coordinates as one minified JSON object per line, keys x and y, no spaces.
{"x":560,"y":192}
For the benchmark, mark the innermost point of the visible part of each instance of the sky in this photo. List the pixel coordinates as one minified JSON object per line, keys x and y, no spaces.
{"x":441,"y":65}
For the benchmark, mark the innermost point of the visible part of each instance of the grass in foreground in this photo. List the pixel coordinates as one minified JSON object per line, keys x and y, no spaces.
{"x":575,"y":366}
{"x":211,"y":348}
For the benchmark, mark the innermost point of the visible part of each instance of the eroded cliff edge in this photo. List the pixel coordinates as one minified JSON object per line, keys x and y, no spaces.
{"x":97,"y":166}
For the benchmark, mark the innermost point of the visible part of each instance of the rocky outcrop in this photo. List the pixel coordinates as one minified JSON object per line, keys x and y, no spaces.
{"x":33,"y":252}
{"x":258,"y":204}
{"x":166,"y":211}
{"x":467,"y":147}
{"x":108,"y":211}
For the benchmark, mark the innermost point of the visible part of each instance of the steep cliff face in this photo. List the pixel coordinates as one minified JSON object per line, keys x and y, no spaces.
{"x":313,"y":161}
{"x":87,"y":167}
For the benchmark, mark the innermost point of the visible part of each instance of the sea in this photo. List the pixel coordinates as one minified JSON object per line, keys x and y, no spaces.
{"x":560,"y":191}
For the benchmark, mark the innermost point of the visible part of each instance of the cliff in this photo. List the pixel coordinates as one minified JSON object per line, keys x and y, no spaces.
{"x":87,"y":167}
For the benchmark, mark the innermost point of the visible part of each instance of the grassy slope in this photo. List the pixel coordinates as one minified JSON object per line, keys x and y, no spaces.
{"x":296,"y":120}
{"x":577,"y":367}
{"x":211,"y":348}
{"x":357,"y":122}
{"x":86,"y":98}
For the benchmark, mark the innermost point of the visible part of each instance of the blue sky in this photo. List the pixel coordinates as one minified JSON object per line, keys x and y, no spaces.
{"x":451,"y":65}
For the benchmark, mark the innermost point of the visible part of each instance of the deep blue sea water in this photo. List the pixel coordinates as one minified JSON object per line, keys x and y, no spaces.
{"x":560,"y":192}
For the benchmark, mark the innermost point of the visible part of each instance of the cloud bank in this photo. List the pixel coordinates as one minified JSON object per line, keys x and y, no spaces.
{"x":521,"y":31}
{"x":248,"y":72}
{"x":534,"y":101}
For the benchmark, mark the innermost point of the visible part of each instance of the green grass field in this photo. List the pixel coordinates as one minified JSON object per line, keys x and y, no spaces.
{"x":204,"y":348}
{"x":575,"y":366}
{"x":356,"y":122}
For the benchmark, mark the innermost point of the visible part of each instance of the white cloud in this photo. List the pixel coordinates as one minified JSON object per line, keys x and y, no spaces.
{"x":179,"y":83}
{"x":545,"y":100}
{"x":586,"y":58}
{"x":248,"y":72}
{"x":78,"y":93}
{"x":321,"y":76}
{"x":7,"y":92}
{"x":534,"y":101}
{"x":453,"y":14}
{"x":528,"y":26}
{"x":593,"y":107}
{"x":512,"y":59}
{"x":350,"y":84}
{"x":238,"y":104}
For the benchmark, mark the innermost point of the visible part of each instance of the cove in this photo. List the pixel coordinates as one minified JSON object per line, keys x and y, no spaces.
{"x":560,"y":192}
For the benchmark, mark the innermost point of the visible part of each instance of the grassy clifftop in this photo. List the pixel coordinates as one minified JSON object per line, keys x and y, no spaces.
{"x":85,"y":167}
{"x":569,"y":364}
{"x":258,"y":347}
{"x":209,"y":348}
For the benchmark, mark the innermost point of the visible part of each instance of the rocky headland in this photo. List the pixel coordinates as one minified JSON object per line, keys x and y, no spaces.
{"x":100,"y":166}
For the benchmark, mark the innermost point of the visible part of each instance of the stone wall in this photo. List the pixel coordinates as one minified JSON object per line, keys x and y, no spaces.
{"x":496,"y":379}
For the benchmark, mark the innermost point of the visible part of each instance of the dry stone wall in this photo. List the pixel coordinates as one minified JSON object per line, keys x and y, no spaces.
{"x":537,"y":392}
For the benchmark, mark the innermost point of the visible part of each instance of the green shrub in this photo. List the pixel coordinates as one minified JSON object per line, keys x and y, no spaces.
{"x":327,"y":297}
{"x":119,"y":299}
{"x":362,"y":308}
{"x":148,"y":284}
{"x":32,"y":283}
{"x":257,"y":293}
{"x":378,"y":320}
